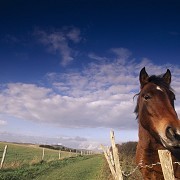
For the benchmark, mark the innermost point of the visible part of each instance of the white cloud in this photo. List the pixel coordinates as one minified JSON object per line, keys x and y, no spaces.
{"x":3,"y":122}
{"x":68,"y":141}
{"x":90,"y":145}
{"x":101,"y":95}
{"x":58,"y":42}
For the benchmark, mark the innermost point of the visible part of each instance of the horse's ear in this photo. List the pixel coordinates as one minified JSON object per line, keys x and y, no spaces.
{"x":167,"y":77}
{"x":143,"y":77}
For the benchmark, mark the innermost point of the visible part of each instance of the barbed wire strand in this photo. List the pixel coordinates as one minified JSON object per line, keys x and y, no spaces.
{"x":140,"y":165}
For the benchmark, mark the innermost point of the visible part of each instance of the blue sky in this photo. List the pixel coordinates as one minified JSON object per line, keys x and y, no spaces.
{"x":69,"y":69}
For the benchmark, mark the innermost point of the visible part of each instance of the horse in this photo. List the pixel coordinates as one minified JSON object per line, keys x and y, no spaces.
{"x":159,"y":126}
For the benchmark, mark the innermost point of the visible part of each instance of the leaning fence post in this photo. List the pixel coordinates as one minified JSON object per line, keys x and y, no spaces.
{"x":166,"y":164}
{"x":110,"y":156}
{"x":116,"y":157}
{"x":3,"y":157}
{"x":109,"y":162}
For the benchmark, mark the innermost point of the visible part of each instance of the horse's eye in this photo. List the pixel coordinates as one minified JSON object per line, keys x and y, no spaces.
{"x":147,"y":97}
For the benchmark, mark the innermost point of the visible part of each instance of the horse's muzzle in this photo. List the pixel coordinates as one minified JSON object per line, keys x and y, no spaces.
{"x":172,"y":139}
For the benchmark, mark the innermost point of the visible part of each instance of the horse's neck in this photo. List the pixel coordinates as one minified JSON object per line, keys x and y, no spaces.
{"x":147,"y":154}
{"x":147,"y":149}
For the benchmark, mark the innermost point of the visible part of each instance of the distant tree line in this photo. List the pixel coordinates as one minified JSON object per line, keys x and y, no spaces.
{"x":128,"y":148}
{"x":58,"y":147}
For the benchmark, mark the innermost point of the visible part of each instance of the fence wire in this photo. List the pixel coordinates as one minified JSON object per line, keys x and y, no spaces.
{"x":140,"y":165}
{"x":19,"y":155}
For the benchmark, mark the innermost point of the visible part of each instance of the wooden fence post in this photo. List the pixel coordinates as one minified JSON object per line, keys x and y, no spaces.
{"x":3,"y":157}
{"x":43,"y":154}
{"x":116,"y":157}
{"x":109,"y":162}
{"x":166,"y":164}
{"x":110,"y":156}
{"x":59,"y":154}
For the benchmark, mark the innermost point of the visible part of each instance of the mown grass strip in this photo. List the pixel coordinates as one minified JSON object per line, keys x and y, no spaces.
{"x":91,"y":168}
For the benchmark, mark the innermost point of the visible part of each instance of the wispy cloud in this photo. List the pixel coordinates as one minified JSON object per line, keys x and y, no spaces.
{"x":174,"y":33}
{"x":58,"y":42}
{"x":11,"y":39}
{"x":122,"y":54}
{"x":96,"y":57}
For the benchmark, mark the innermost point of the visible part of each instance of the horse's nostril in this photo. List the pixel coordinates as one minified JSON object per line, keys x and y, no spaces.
{"x":177,"y":137}
{"x":170,"y":133}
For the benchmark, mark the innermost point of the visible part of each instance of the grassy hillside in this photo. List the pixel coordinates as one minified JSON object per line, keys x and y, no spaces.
{"x":19,"y":155}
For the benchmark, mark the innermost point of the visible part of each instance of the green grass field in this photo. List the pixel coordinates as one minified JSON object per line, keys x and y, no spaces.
{"x":23,"y":162}
{"x":91,"y":167}
{"x":82,"y":168}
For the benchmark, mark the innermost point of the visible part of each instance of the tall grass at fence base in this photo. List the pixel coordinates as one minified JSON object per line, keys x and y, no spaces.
{"x":127,"y":152}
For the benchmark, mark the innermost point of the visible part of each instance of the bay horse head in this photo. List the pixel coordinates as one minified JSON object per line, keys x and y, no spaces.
{"x":159,"y":126}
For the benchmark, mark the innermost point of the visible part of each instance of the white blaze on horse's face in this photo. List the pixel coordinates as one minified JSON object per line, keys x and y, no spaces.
{"x":158,"y":88}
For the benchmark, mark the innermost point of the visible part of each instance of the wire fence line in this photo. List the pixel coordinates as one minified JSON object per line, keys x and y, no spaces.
{"x":112,"y":156}
{"x":18,"y":155}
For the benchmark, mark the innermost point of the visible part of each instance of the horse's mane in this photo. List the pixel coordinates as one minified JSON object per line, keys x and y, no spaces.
{"x":158,"y":80}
